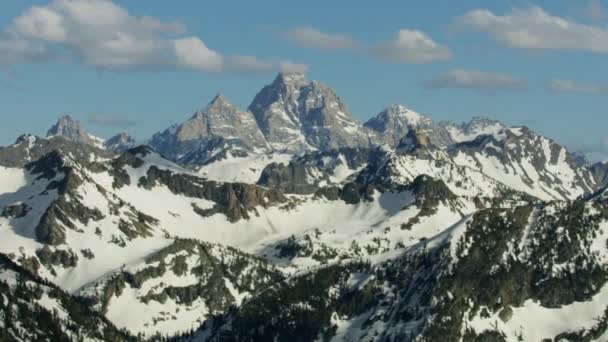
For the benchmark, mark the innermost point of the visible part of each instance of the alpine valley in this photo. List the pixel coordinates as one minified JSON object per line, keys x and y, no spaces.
{"x":292,"y":221}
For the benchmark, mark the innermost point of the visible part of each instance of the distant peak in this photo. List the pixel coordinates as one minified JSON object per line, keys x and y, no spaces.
{"x":65,"y":126}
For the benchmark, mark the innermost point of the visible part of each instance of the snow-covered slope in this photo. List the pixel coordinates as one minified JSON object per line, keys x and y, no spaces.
{"x":528,"y":273}
{"x":237,"y":166}
{"x":527,"y":162}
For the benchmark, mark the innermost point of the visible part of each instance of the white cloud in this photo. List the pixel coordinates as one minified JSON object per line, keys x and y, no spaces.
{"x":475,"y":80}
{"x":312,"y":38}
{"x":412,"y":46}
{"x":533,"y":28}
{"x":192,"y":53}
{"x":41,"y":23}
{"x":568,"y":86}
{"x":102,"y":35}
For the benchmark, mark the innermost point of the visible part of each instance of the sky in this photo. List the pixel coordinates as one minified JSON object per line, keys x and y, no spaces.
{"x":140,"y":66}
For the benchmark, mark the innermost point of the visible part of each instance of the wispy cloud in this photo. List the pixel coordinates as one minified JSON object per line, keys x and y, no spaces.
{"x":309,"y":37}
{"x":412,"y":46}
{"x":568,"y":86}
{"x":407,"y":46}
{"x":102,"y":35}
{"x":250,"y":64}
{"x":474,"y":80}
{"x":110,"y":120}
{"x":533,"y":28}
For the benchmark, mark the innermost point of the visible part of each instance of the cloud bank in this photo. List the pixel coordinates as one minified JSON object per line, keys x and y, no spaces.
{"x":102,"y":35}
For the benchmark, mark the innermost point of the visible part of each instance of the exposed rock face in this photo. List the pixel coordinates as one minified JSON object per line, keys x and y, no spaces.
{"x":296,"y":116}
{"x":291,"y":178}
{"x":235,"y":200}
{"x":71,"y":130}
{"x":120,"y":142}
{"x":306,"y":173}
{"x":416,"y":140}
{"x":600,"y":173}
{"x":219,"y":121}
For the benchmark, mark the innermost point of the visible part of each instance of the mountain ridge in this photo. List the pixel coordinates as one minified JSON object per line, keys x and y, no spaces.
{"x":427,"y":231}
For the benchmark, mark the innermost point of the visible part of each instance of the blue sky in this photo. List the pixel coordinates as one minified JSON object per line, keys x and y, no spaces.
{"x":542,"y":64}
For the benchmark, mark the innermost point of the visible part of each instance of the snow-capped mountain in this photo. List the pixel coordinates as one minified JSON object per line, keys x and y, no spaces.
{"x":278,"y":223}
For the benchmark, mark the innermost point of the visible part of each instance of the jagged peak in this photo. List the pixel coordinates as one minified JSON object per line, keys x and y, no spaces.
{"x":219,"y":98}
{"x":64,"y":122}
{"x":219,"y":102}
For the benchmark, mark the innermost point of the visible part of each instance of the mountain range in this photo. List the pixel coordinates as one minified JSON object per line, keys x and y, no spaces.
{"x":292,"y":220}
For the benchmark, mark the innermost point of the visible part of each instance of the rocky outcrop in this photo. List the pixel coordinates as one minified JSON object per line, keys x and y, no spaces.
{"x":415,"y":142}
{"x":235,"y":200}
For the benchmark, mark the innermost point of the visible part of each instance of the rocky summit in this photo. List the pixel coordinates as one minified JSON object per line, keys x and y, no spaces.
{"x":292,"y":221}
{"x":296,"y":115}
